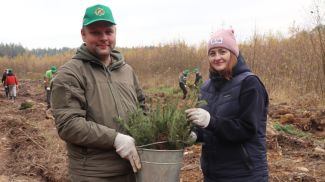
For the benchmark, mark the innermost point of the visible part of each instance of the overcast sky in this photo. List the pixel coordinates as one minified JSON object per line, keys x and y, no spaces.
{"x":57,"y":23}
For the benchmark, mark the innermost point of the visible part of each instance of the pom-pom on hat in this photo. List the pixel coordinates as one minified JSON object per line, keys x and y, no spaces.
{"x":225,"y":39}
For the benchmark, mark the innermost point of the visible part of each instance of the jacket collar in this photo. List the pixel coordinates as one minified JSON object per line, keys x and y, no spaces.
{"x":83,"y":54}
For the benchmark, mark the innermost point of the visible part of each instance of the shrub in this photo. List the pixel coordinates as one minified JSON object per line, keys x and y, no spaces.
{"x":289,"y":129}
{"x":26,"y":105}
{"x":165,"y":123}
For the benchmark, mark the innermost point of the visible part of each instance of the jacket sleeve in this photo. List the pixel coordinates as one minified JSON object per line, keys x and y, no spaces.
{"x":244,"y":126}
{"x":69,"y":106}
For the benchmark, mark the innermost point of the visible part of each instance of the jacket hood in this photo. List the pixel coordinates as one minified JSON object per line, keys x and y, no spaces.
{"x":83,"y":54}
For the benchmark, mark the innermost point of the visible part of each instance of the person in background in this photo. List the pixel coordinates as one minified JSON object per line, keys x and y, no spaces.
{"x":12,"y":83}
{"x":48,"y":77}
{"x":182,"y":82}
{"x":232,"y":125}
{"x":6,"y":88}
{"x":198,"y":78}
{"x":89,"y":93}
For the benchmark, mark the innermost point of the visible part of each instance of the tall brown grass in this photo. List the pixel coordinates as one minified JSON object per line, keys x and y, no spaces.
{"x":289,"y":67}
{"x":29,"y":66}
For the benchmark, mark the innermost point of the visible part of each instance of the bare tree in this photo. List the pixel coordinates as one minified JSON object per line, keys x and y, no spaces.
{"x":318,"y":17}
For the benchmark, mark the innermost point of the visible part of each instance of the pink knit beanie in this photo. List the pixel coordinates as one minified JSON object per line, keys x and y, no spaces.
{"x":225,"y":39}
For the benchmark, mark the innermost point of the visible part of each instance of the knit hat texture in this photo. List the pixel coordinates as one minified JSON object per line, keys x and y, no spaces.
{"x":225,"y":39}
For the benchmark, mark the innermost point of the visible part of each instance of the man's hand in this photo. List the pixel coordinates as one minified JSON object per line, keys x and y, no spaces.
{"x":125,"y":147}
{"x":45,"y":82}
{"x":198,"y":116}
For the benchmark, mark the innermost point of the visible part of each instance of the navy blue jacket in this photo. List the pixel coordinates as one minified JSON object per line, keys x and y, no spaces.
{"x":234,"y":142}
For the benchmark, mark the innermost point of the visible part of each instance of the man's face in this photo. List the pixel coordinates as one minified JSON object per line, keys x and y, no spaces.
{"x":100,"y":38}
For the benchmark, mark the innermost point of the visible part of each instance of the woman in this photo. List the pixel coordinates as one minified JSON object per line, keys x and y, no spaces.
{"x":232,"y":125}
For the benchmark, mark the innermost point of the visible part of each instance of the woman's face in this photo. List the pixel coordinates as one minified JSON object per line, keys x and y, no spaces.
{"x":219,"y":58}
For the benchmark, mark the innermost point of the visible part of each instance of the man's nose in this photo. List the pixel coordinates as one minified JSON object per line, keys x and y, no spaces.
{"x":103,"y":36}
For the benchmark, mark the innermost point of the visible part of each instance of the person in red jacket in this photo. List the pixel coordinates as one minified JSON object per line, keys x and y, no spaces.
{"x":12,"y":83}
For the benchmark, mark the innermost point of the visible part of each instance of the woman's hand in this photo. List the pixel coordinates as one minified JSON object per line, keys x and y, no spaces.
{"x":198,"y":116}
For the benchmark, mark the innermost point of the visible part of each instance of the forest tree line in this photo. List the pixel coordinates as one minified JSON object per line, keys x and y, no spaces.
{"x":12,"y":50}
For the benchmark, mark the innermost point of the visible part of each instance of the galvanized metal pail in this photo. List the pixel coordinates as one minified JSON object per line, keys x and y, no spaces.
{"x":159,"y":165}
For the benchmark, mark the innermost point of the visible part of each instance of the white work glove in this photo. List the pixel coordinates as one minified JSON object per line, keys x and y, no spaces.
{"x":198,"y":116}
{"x":125,"y":147}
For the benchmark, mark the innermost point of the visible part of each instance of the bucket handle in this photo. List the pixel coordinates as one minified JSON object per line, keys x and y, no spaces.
{"x":146,"y":145}
{"x":154,"y":143}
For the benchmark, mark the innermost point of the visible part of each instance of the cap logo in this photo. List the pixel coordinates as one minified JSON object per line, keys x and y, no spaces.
{"x":218,"y":40}
{"x":99,"y":12}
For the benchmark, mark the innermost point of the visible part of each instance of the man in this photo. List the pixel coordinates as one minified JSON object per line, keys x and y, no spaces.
{"x":4,"y":76}
{"x":198,"y":78}
{"x":89,"y":92}
{"x":49,"y":74}
{"x":182,"y":82}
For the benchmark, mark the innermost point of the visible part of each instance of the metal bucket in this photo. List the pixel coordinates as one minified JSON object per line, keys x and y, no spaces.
{"x":159,"y":165}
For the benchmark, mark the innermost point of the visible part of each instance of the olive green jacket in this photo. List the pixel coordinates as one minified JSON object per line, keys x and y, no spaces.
{"x":86,"y":98}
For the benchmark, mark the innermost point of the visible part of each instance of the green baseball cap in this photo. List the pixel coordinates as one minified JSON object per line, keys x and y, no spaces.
{"x":186,"y":72}
{"x":53,"y":69}
{"x":98,"y":13}
{"x":195,"y":70}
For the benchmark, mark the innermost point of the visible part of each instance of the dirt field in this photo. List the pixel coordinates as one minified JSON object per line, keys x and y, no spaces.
{"x":30,"y":149}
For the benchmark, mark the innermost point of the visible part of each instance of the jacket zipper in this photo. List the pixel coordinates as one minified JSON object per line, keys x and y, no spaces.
{"x":109,"y":79}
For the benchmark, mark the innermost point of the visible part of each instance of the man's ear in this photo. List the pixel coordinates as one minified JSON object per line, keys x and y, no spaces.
{"x":83,"y":34}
